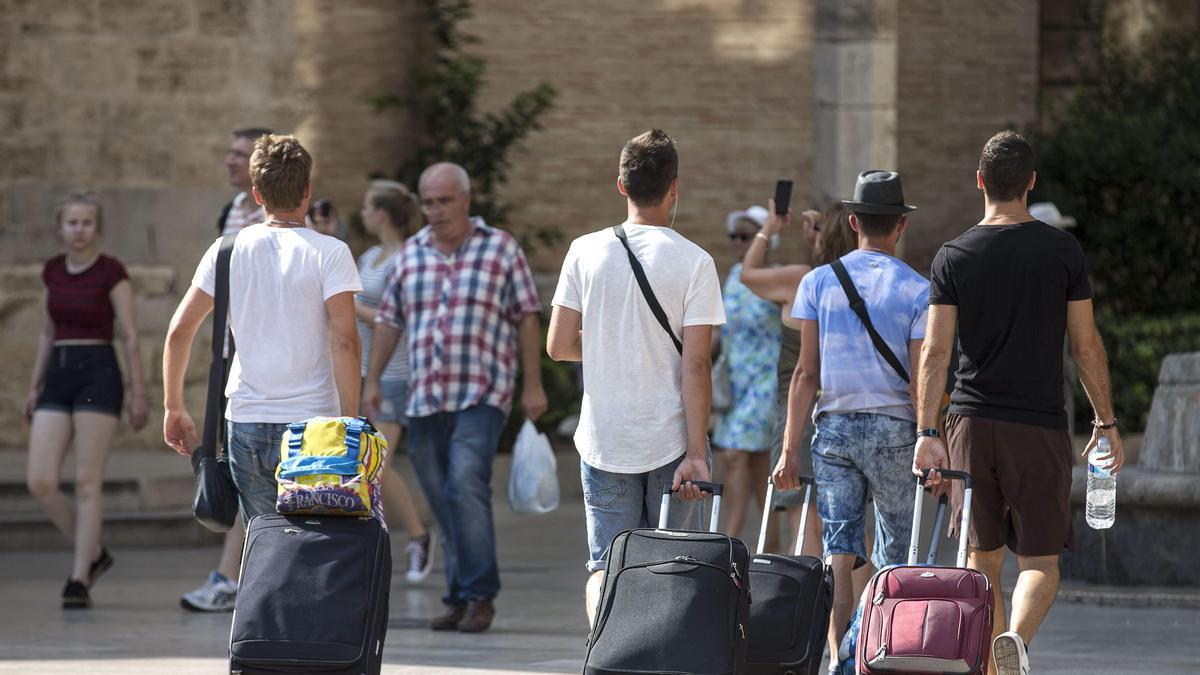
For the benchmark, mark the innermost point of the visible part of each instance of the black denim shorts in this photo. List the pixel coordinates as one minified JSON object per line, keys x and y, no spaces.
{"x":83,"y":377}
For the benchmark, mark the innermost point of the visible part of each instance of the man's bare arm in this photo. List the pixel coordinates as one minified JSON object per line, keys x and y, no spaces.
{"x":931,"y":453}
{"x":346,"y":350}
{"x":802,"y":396}
{"x":697,"y":405}
{"x":179,"y":431}
{"x":935,"y":354}
{"x":564,"y":340}
{"x":1092,"y":363}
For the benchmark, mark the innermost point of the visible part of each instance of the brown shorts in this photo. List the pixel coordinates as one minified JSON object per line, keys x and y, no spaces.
{"x":1022,"y":475}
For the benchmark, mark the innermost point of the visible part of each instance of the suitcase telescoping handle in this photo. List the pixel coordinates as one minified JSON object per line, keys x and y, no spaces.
{"x":808,"y":483}
{"x":964,"y":524}
{"x":713,"y":489}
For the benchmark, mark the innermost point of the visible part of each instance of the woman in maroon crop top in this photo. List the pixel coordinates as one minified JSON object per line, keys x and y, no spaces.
{"x":76,"y":392}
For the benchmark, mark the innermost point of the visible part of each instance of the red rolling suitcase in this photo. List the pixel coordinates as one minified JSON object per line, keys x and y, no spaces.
{"x":928,"y":620}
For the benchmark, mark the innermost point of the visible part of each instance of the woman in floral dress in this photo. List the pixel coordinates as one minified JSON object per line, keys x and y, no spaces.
{"x":750,"y":344}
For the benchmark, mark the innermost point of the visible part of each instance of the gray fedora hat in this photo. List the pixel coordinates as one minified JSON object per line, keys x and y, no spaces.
{"x":878,"y":191}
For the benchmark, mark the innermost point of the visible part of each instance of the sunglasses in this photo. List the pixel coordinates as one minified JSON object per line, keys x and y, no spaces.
{"x":738,"y":236}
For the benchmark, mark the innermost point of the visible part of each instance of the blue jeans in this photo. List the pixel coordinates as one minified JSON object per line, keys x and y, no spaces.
{"x":452,"y":455}
{"x":615,"y":502}
{"x":253,"y":458}
{"x":854,"y":453}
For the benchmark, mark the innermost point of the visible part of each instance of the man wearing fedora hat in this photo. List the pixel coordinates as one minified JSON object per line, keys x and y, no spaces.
{"x":862,"y":320}
{"x":1013,"y":286}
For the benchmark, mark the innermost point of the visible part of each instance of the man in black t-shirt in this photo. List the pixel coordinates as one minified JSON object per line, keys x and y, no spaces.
{"x":1012,"y":285}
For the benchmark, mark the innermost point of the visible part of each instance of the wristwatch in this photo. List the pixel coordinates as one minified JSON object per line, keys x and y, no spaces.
{"x":931,"y":433}
{"x":1104,"y":427}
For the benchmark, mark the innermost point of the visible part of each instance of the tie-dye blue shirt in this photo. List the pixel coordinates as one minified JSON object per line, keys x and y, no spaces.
{"x":854,"y":376}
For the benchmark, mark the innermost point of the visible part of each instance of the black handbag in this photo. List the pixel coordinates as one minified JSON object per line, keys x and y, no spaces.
{"x":215,"y":499}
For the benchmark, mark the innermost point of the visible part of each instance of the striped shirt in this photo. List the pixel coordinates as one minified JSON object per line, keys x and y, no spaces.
{"x":460,"y":313}
{"x":374,"y":275}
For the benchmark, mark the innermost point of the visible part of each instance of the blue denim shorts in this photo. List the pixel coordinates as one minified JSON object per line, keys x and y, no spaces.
{"x":615,"y":502}
{"x":859,"y":453}
{"x":395,"y":401}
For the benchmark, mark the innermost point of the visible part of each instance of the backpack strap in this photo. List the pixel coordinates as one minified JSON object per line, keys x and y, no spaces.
{"x":295,"y":438}
{"x":354,"y":432}
{"x":647,"y":292}
{"x":860,"y":308}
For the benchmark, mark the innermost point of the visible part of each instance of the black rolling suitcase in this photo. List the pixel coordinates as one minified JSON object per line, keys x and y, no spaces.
{"x":313,"y":596}
{"x":673,"y":601}
{"x":793,"y":595}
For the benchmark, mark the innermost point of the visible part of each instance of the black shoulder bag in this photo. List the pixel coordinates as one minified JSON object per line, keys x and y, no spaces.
{"x":860,"y":308}
{"x":215,"y":500}
{"x":644,"y":284}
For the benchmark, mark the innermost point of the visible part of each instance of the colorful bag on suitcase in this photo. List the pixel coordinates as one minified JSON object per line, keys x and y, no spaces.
{"x":313,"y":597}
{"x":673,"y":601}
{"x":793,"y":594}
{"x":330,"y":466}
{"x":927,"y":619}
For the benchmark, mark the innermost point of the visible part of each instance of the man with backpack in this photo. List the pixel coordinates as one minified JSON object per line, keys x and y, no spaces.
{"x":1012,"y":286}
{"x":862,"y":322}
{"x":646,"y":359}
{"x":291,"y":301}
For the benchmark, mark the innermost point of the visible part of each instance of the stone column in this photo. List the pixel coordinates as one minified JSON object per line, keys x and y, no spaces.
{"x":855,"y":89}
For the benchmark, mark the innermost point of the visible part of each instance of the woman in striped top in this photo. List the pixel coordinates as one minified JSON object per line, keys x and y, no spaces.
{"x":388,"y":212}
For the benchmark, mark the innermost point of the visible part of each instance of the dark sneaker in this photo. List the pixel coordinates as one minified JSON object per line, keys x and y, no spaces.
{"x":449,"y":620}
{"x":99,"y":566}
{"x":75,"y":595}
{"x":420,"y":558}
{"x":216,"y":595}
{"x":478,"y":617}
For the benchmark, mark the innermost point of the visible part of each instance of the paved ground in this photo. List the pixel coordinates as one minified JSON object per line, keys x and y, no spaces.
{"x":137,"y":626}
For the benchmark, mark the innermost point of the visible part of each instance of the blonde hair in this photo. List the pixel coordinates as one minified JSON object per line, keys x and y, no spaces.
{"x":84,"y":197}
{"x":394,"y":199}
{"x":279,"y":172}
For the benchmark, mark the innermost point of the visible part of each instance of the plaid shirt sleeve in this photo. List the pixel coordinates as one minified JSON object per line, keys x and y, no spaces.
{"x":523,"y":295}
{"x":389,"y":306}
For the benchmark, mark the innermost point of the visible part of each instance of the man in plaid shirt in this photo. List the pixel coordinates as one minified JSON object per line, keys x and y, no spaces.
{"x":463,"y":295}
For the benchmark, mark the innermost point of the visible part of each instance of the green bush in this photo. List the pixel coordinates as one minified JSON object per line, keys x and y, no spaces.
{"x":452,"y":129}
{"x":1136,"y":345}
{"x":1125,"y":161}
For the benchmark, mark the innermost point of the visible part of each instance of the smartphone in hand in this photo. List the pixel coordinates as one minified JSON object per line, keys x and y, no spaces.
{"x":783,"y":196}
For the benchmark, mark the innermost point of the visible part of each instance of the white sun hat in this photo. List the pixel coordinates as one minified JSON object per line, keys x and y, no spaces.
{"x":755,"y":214}
{"x":1049,"y":214}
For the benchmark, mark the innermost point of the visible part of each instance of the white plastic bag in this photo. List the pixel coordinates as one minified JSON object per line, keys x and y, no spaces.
{"x":533,"y":483}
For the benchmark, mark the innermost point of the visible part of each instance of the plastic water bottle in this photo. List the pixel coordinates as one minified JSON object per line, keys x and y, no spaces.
{"x":1101,"y":489}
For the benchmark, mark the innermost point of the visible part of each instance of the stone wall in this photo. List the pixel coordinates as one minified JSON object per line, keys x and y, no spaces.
{"x":136,"y":97}
{"x":731,"y":81}
{"x":966,"y":71}
{"x":136,"y":100}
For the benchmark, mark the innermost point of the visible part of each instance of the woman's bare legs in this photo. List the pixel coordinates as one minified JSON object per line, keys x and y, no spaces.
{"x":744,"y":473}
{"x":93,"y":441}
{"x":231,"y":550}
{"x":49,"y":436}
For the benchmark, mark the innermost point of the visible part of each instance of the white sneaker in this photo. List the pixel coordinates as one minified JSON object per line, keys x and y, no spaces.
{"x":1008,"y":651}
{"x":216,"y":595}
{"x":420,"y":558}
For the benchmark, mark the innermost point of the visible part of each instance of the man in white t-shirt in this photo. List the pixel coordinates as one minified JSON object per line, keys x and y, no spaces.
{"x":646,"y":397}
{"x":291,"y":309}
